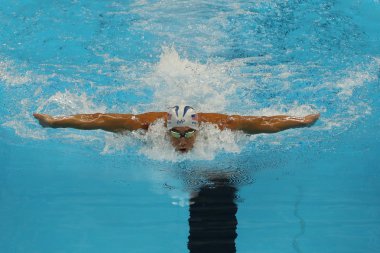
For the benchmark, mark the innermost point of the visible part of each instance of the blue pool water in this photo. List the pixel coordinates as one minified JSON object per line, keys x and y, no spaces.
{"x":301,"y":190}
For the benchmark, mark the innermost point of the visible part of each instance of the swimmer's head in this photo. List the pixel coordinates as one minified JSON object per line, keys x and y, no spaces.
{"x":182,"y":116}
{"x":182,"y":126}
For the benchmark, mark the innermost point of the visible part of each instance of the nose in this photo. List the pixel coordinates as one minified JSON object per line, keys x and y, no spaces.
{"x":182,"y":140}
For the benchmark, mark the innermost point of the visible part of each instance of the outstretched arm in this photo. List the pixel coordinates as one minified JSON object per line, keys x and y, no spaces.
{"x":258,"y":124}
{"x":109,"y":122}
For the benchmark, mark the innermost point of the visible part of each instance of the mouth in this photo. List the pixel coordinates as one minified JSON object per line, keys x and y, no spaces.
{"x":182,"y":150}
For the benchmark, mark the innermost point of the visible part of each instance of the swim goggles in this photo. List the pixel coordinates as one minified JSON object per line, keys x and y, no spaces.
{"x":186,"y":134}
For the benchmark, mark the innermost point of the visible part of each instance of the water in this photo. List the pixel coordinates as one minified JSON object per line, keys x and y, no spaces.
{"x":301,"y":190}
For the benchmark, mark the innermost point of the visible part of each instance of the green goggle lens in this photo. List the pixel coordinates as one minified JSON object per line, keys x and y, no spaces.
{"x":178,"y":135}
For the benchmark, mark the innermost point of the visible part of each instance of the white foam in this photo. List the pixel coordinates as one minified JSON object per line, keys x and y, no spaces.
{"x":81,"y":138}
{"x":349,"y":108}
{"x":22,"y":130}
{"x":11,"y":76}
{"x":209,"y":142}
{"x":155,"y":143}
{"x":355,"y":79}
{"x":178,"y":80}
{"x":65,"y":103}
{"x":294,"y":109}
{"x":115,"y":143}
{"x":61,"y":103}
{"x":108,"y":59}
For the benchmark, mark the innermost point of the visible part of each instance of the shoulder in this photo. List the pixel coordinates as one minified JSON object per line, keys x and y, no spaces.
{"x":146,"y":119}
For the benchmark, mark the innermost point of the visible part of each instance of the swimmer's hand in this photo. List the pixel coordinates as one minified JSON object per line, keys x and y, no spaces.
{"x":309,"y":120}
{"x":45,"y":120}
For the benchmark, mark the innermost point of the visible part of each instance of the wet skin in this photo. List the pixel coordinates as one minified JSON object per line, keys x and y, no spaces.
{"x":114,"y":122}
{"x":182,"y":144}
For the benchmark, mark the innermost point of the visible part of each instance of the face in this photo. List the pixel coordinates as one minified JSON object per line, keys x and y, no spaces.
{"x":182,"y":144}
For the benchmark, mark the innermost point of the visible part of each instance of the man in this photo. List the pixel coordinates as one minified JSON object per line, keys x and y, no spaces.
{"x":182,"y":123}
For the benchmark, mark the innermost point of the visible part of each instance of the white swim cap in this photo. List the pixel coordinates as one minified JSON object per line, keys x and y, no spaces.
{"x":182,"y":116}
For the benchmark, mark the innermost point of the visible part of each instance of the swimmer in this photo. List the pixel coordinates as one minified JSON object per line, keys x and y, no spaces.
{"x":182,"y":123}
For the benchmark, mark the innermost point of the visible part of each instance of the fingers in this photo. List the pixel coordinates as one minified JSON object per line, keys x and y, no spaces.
{"x":45,"y":120}
{"x":312,"y":118}
{"x":316,"y":115}
{"x":38,"y":115}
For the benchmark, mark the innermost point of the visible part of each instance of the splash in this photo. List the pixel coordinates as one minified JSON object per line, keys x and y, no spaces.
{"x":24,"y":131}
{"x":155,"y":143}
{"x":66,"y":103}
{"x":178,"y":80}
{"x":61,"y":103}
